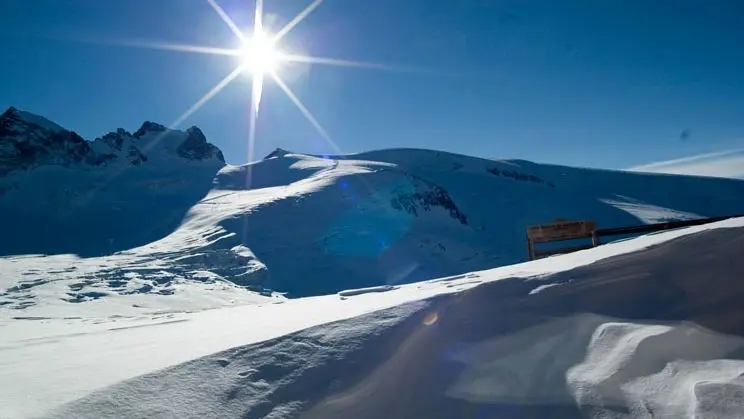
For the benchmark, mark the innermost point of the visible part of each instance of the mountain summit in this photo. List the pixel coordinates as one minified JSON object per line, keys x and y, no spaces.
{"x":28,"y":140}
{"x":62,"y":194}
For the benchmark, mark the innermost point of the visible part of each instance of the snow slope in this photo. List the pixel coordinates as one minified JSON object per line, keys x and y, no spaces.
{"x":114,"y":250}
{"x":399,"y":216}
{"x":154,"y":221}
{"x":649,"y":327}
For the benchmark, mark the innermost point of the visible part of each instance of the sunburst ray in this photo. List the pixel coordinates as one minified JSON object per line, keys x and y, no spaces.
{"x":260,"y":70}
{"x":308,"y":115}
{"x":309,"y":59}
{"x":197,"y":49}
{"x":258,"y":18}
{"x":258,"y":76}
{"x":229,"y":22}
{"x":207,"y":96}
{"x":297,"y":19}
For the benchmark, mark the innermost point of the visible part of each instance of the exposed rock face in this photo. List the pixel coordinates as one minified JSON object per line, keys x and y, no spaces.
{"x":435,"y":196}
{"x":196,"y":147}
{"x":25,"y":143}
{"x":148,"y":126}
{"x":28,"y":140}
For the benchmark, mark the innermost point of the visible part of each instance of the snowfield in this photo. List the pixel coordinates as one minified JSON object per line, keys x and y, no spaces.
{"x":649,"y":327}
{"x":173,"y":237}
{"x":142,"y":277}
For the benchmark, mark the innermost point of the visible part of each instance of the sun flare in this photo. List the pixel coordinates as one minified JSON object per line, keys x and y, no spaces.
{"x":259,"y":55}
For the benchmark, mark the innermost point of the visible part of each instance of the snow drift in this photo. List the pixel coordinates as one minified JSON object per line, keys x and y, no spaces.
{"x":651,"y":333}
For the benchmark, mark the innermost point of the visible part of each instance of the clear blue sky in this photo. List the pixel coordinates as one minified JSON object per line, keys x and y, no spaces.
{"x":592,"y":83}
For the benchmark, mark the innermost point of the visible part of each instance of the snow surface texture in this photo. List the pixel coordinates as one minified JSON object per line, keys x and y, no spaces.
{"x":649,"y":327}
{"x":154,"y":221}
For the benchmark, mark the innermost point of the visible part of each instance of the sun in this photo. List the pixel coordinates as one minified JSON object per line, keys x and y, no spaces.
{"x":259,"y":54}
{"x":259,"y":57}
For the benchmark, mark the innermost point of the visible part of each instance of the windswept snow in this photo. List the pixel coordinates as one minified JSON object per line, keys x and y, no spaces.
{"x":628,"y":333}
{"x":647,"y":213}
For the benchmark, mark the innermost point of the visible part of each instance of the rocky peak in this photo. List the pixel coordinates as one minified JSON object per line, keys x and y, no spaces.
{"x":10,"y":121}
{"x":14,"y":118}
{"x":30,"y":140}
{"x":153,"y":141}
{"x":148,"y":126}
{"x":116,"y":138}
{"x":11,"y":112}
{"x":196,"y":147}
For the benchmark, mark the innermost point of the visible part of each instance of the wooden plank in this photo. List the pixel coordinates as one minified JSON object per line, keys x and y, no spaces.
{"x":562,"y":230}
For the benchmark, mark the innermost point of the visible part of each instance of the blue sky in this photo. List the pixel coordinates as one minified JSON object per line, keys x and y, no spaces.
{"x":602,"y":84}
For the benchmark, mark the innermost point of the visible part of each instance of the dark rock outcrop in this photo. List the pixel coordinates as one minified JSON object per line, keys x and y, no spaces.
{"x":196,"y":147}
{"x":25,"y":143}
{"x":523,"y":177}
{"x":426,"y":200}
{"x":148,"y":126}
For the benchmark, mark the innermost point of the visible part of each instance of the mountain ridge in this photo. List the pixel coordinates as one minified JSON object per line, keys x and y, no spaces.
{"x":296,"y":224}
{"x":28,"y":140}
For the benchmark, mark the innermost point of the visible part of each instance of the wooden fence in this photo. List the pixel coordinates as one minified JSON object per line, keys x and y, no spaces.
{"x":586,"y":229}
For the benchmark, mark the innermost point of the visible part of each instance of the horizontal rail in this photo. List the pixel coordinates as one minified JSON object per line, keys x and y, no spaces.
{"x":648,"y":228}
{"x":604,"y":232}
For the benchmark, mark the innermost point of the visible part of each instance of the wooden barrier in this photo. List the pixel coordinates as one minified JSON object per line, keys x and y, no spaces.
{"x":586,"y":229}
{"x":560,"y":231}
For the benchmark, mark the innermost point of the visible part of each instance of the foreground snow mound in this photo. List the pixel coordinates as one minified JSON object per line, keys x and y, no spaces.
{"x":655,"y":333}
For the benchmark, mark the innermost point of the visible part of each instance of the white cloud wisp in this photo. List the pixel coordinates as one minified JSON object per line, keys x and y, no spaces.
{"x":729,"y":163}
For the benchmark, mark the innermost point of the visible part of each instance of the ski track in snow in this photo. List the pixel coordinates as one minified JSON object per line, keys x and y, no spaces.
{"x":420,"y":350}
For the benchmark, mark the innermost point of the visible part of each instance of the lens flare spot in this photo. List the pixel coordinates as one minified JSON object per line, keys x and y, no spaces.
{"x":431,"y":318}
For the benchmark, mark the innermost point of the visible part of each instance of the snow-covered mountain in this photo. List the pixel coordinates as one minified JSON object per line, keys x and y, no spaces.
{"x":158,"y":213}
{"x":29,"y":141}
{"x":62,"y":194}
{"x":113,"y":249}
